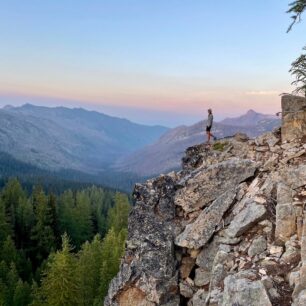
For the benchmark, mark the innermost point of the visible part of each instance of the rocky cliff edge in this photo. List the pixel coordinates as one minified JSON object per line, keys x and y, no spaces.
{"x":228,"y":229}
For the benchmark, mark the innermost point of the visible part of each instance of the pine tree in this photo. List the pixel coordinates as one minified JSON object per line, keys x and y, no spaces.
{"x":82,"y":214}
{"x":42,"y":232}
{"x":296,"y":8}
{"x":88,"y":270}
{"x":298,"y":70}
{"x":112,"y":250}
{"x":8,"y":251}
{"x":11,"y":282}
{"x":11,"y":196}
{"x":60,"y":285}
{"x":24,"y":223}
{"x":5,"y":228}
{"x":54,"y":217}
{"x":66,"y":216}
{"x":118,"y":215}
{"x":22,"y":294}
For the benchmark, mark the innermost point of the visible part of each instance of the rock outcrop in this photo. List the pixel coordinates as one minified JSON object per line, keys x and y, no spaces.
{"x":228,"y":229}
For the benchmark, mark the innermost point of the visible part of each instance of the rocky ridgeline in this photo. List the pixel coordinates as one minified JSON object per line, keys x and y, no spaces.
{"x":229,"y":229}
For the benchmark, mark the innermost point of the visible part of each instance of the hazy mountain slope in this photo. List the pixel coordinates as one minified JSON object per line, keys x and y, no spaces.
{"x":62,"y":138}
{"x":166,"y":153}
{"x":250,"y":118}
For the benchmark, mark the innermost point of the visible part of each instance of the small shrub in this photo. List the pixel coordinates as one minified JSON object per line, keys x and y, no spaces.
{"x":220,"y":146}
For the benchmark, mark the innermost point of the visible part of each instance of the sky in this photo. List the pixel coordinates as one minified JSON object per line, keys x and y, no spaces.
{"x":151,"y":61}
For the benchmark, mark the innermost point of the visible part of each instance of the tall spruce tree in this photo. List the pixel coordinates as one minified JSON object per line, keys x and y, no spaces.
{"x":42,"y":232}
{"x":88,"y":270}
{"x":5,"y":227}
{"x":11,"y":196}
{"x":118,"y":215}
{"x":112,"y":251}
{"x":60,"y":286}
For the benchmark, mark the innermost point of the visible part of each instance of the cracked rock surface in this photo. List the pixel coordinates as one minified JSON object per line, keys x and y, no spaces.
{"x":228,"y":229}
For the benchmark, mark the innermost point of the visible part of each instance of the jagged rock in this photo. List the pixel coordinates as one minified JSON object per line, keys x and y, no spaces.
{"x":269,"y":139}
{"x":303,"y":242}
{"x":275,"y":250}
{"x":294,"y":278}
{"x":237,"y":219}
{"x":198,"y":233}
{"x":193,"y":253}
{"x":241,"y":291}
{"x":285,"y":214}
{"x":149,"y":266}
{"x":271,"y":162}
{"x":215,"y":297}
{"x":301,"y":299}
{"x":206,"y":184}
{"x":186,"y":289}
{"x":246,"y":218}
{"x":219,"y":270}
{"x":263,"y":149}
{"x":273,"y":293}
{"x":133,"y":296}
{"x":292,"y":251}
{"x":199,"y":298}
{"x":258,"y":246}
{"x":294,"y":176}
{"x":241,"y":137}
{"x":292,"y":156}
{"x":218,"y":274}
{"x":293,"y":117}
{"x":202,"y":277}
{"x":300,"y":282}
{"x":206,"y":257}
{"x":186,"y":267}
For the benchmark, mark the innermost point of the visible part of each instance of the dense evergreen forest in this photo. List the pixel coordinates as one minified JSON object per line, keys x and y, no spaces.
{"x":59,"y":249}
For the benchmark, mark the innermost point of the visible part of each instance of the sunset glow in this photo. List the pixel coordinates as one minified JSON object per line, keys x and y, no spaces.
{"x":162,"y":56}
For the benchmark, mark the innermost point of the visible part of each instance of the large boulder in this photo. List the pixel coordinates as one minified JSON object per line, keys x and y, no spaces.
{"x":293,"y":117}
{"x":148,"y":273}
{"x":208,"y":183}
{"x":242,"y":291}
{"x":199,"y":232}
{"x":246,"y":218}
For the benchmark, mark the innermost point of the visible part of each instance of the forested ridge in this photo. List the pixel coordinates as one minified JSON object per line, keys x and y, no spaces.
{"x":30,"y":175}
{"x":59,"y":249}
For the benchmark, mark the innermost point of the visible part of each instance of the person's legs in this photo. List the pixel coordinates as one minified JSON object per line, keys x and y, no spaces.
{"x":213,"y":136}
{"x":208,"y":133}
{"x":208,"y":136}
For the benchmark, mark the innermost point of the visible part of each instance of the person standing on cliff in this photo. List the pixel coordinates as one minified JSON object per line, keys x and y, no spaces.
{"x":209,"y":124}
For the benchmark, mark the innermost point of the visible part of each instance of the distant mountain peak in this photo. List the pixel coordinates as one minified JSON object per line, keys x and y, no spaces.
{"x":250,"y":118}
{"x":251,"y":112}
{"x":8,"y":106}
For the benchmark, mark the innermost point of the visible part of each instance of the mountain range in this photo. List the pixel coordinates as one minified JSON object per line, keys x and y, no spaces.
{"x":166,"y":153}
{"x":80,"y":143}
{"x":62,"y":138}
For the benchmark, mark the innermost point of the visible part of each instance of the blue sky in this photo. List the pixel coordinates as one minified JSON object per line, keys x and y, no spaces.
{"x":151,"y":61}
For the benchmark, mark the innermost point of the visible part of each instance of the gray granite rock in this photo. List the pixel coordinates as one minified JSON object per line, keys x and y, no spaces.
{"x":258,"y":246}
{"x":242,"y":291}
{"x":199,"y":298}
{"x":149,"y":265}
{"x":199,"y":232}
{"x":208,"y":183}
{"x":202,"y":277}
{"x":246,"y":218}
